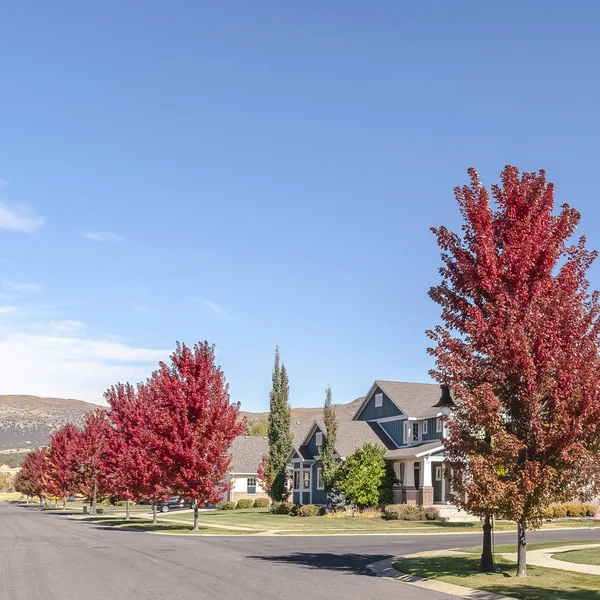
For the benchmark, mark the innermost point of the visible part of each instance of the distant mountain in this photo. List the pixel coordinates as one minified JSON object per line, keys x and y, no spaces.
{"x":345,"y":412}
{"x":28,"y":421}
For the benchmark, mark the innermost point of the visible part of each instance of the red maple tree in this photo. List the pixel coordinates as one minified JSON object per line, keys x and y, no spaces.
{"x":61,"y":478}
{"x":519,"y":348}
{"x":198,"y":423}
{"x":30,"y":480}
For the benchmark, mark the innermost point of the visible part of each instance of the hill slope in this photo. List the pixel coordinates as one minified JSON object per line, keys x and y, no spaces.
{"x":28,"y":421}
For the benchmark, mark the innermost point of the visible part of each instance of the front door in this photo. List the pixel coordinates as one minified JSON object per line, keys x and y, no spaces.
{"x":417,"y":475}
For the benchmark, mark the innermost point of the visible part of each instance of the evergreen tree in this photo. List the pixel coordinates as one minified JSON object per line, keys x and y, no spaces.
{"x":280,"y":435}
{"x":328,"y":462}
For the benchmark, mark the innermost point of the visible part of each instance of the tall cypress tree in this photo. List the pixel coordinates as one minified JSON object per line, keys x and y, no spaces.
{"x":280,"y":435}
{"x":328,"y":461}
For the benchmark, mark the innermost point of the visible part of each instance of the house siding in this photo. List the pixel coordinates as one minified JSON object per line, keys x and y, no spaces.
{"x":395,"y":429}
{"x":387,"y":409}
{"x":431,"y":434}
{"x":318,"y":496}
{"x":312,"y":445}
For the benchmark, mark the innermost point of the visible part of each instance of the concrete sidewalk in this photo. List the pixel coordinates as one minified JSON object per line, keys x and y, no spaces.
{"x":544,"y":558}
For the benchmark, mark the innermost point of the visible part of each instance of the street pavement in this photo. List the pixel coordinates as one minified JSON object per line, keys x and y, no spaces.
{"x":48,"y":556}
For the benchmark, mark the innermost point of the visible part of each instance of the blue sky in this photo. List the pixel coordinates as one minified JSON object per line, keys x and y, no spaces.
{"x":261,"y":173}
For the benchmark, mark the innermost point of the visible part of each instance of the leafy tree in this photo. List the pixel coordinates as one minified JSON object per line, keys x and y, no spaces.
{"x":280,"y":435}
{"x":362,"y":475}
{"x":519,"y":348}
{"x":194,"y":399}
{"x":262,"y":475}
{"x":328,"y":462}
{"x":61,"y":478}
{"x":258,"y":429}
{"x":30,"y":479}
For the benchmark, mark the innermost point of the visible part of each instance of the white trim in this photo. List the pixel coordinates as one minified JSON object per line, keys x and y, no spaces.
{"x":438,"y":473}
{"x":368,"y":398}
{"x":436,"y":449}
{"x":378,"y":399}
{"x":318,"y":434}
{"x":388,"y":419}
{"x":294,"y":488}
{"x":320,"y":476}
{"x":425,"y":426}
{"x":439,"y":425}
{"x":391,"y":438}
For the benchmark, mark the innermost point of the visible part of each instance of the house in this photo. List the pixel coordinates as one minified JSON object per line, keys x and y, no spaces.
{"x":246,"y":454}
{"x":406,"y":418}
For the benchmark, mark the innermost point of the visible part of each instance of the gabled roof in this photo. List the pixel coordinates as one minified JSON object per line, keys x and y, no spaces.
{"x":415,"y":451}
{"x":418,"y":400}
{"x":247,"y":452}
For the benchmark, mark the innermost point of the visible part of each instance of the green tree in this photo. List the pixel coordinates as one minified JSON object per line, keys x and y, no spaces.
{"x":279,"y":432}
{"x":362,"y":475}
{"x":328,"y":463}
{"x":258,"y":429}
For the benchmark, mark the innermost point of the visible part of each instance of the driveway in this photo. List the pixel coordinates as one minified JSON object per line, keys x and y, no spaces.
{"x":50,"y":557}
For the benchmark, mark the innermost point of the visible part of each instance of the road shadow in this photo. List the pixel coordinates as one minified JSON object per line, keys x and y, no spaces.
{"x":344,"y":563}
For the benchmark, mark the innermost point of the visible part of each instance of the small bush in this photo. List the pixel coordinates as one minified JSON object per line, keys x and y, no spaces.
{"x":281,"y":508}
{"x":244,"y":503}
{"x":590,"y":510}
{"x":308,"y":510}
{"x":226,"y":506}
{"x":431,"y":513}
{"x":369,"y":513}
{"x":559,"y":511}
{"x":404,"y":512}
{"x":261,"y":503}
{"x":550,"y":512}
{"x":575,"y":510}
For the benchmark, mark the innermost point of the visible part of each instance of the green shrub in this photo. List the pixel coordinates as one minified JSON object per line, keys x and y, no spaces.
{"x":308,"y":510}
{"x":575,"y":510}
{"x":431,"y":513}
{"x":244,"y":503}
{"x":226,"y":506}
{"x":261,"y":502}
{"x":559,"y":511}
{"x":404,"y":512}
{"x":99,"y":511}
{"x":281,"y":508}
{"x":550,"y":512}
{"x":590,"y":510}
{"x":362,"y":477}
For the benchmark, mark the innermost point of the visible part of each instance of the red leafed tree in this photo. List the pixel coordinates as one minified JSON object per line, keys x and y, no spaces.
{"x":30,"y":479}
{"x":262,"y":478}
{"x":89,"y":456}
{"x":519,"y":348}
{"x":61,"y":467}
{"x":135,"y":462}
{"x":199,"y":423}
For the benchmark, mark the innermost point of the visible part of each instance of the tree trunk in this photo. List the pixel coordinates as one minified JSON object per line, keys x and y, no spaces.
{"x":64,"y":503}
{"x":195,"y":516}
{"x":486,"y":564}
{"x":127,"y":510}
{"x":154,"y":516}
{"x":94,"y":493}
{"x":522,"y":548}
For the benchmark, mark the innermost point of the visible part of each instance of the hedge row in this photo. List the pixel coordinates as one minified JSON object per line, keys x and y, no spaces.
{"x":560,"y":511}
{"x":244,"y":503}
{"x":410,"y":512}
{"x":297,"y":510}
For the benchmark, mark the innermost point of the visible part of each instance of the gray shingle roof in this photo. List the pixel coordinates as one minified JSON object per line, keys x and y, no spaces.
{"x":413,"y":399}
{"x":300,"y":431}
{"x":247,"y":452}
{"x":352,"y":435}
{"x":411,"y":451}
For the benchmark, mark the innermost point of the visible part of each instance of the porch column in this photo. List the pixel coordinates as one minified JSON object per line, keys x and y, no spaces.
{"x":410,"y":494}
{"x":426,"y":489}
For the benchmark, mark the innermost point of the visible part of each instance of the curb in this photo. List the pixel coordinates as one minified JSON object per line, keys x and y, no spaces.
{"x":384,"y":569}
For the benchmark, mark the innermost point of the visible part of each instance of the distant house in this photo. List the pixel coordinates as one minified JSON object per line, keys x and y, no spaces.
{"x":246,"y":454}
{"x":406,"y":418}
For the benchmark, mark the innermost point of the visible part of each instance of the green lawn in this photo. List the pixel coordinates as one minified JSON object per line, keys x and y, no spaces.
{"x":585,"y":557}
{"x":508,"y":548}
{"x":540,"y":583}
{"x":77,"y":507}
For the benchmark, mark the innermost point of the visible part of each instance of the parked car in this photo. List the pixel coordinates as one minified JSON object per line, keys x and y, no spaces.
{"x":173,"y":503}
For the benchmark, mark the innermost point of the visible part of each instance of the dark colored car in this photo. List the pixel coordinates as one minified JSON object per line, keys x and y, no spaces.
{"x":173,"y":503}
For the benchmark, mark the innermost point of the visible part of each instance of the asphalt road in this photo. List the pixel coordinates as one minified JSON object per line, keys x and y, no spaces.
{"x":50,"y":557}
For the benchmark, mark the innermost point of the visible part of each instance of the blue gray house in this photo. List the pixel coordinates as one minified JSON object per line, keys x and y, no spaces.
{"x":406,"y":418}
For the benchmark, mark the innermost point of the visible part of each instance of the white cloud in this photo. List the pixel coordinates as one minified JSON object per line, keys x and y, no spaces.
{"x":7,"y":309}
{"x":4,"y":182}
{"x":22,"y":287}
{"x":19,"y":217}
{"x":216,"y":308}
{"x":57,"y":358}
{"x":102,"y":236}
{"x":140,"y":309}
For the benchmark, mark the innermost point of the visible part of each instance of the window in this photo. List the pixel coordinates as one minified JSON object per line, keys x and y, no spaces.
{"x":319,"y":439}
{"x":306,"y":480}
{"x":438,"y":473}
{"x":438,"y":426}
{"x":320,"y":482}
{"x":415,"y":431}
{"x":406,"y":431}
{"x":296,"y":479}
{"x":251,"y":486}
{"x":425,"y":426}
{"x":378,"y":400}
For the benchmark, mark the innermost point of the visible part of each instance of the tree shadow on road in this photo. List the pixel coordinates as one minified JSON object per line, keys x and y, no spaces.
{"x":343,"y":563}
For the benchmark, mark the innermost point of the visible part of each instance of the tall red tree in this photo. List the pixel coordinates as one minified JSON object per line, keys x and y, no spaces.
{"x":199,"y":420}
{"x":30,"y":480}
{"x":89,"y":456}
{"x":519,"y":348}
{"x":61,"y":468}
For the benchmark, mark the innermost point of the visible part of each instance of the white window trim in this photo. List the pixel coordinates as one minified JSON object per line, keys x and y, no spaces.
{"x":438,"y":473}
{"x":425,"y":426}
{"x":378,"y":400}
{"x":304,"y":471}
{"x":299,"y":471}
{"x":439,"y":426}
{"x":320,"y":478}
{"x":407,"y":433}
{"x":255,"y":486}
{"x":319,"y":439}
{"x":412,"y":432}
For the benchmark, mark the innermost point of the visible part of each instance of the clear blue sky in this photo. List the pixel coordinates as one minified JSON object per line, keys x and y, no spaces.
{"x":255,"y":173}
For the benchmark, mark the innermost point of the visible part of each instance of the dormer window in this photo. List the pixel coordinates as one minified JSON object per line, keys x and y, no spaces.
{"x":319,"y":439}
{"x":378,"y":400}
